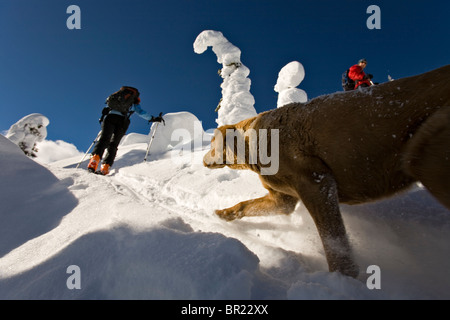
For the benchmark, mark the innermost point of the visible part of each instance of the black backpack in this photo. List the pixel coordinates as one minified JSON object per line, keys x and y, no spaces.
{"x":347,"y":83}
{"x":123,"y":99}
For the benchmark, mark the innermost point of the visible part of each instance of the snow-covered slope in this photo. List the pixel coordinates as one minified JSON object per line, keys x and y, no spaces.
{"x":148,"y":231}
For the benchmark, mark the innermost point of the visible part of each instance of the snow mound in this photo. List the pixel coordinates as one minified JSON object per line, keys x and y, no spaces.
{"x":159,"y":263}
{"x":51,"y":151}
{"x":180,"y":131}
{"x":179,"y":127}
{"x":33,"y":201}
{"x":28,"y":131}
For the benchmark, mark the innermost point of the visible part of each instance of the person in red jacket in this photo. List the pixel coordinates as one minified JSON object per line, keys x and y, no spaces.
{"x":357,"y":74}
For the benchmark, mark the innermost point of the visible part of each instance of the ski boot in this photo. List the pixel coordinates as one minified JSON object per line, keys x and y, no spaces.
{"x":105,"y":169}
{"x":93,"y":163}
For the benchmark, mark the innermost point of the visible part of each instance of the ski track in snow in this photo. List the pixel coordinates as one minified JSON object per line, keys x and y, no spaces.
{"x":177,"y":207}
{"x":172,"y":199}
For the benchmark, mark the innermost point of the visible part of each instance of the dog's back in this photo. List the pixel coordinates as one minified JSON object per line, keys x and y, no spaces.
{"x":362,"y":135}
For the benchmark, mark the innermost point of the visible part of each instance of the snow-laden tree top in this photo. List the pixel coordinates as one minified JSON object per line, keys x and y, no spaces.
{"x":226,"y":52}
{"x":237,"y":102}
{"x":28,"y":131}
{"x":289,"y":77}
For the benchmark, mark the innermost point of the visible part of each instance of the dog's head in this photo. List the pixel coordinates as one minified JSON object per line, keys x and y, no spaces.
{"x":242,"y":146}
{"x":228,"y":148}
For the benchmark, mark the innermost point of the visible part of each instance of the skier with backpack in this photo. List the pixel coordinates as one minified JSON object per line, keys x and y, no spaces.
{"x":355,"y":77}
{"x":115,"y":121}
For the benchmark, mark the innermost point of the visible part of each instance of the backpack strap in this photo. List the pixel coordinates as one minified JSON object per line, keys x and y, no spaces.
{"x":129,"y":114}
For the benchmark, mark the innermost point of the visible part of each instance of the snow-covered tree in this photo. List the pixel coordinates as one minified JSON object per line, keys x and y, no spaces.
{"x":237,"y":102}
{"x":289,"y":77}
{"x":28,"y":131}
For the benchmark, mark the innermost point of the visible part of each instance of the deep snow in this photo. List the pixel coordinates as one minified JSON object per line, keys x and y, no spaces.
{"x":148,"y":231}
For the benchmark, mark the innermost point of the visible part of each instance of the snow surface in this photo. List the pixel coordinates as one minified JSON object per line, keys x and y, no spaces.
{"x":237,"y":102}
{"x":290,"y":77}
{"x":148,"y":231}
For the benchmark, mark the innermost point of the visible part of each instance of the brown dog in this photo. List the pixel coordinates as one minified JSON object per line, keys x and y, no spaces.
{"x":350,"y":147}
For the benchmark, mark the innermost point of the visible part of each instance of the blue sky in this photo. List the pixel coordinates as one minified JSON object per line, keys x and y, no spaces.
{"x":67,"y":74}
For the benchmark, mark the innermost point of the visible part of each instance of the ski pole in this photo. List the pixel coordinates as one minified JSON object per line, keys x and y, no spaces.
{"x":151,"y":140}
{"x":92,"y":144}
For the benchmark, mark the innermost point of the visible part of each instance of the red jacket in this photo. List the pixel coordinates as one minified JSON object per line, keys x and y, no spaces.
{"x":357,"y":74}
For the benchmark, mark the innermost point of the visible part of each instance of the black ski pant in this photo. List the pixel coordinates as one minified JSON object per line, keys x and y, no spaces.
{"x":114,"y":127}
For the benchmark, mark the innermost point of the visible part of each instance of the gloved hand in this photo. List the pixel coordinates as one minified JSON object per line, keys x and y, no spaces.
{"x":158,"y":119}
{"x":369,"y":76}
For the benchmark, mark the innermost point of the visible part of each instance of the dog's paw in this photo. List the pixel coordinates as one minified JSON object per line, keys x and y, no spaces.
{"x":228,"y":215}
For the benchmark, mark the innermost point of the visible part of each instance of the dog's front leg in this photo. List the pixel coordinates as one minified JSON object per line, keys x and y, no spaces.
{"x":271,"y":204}
{"x":318,"y":192}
